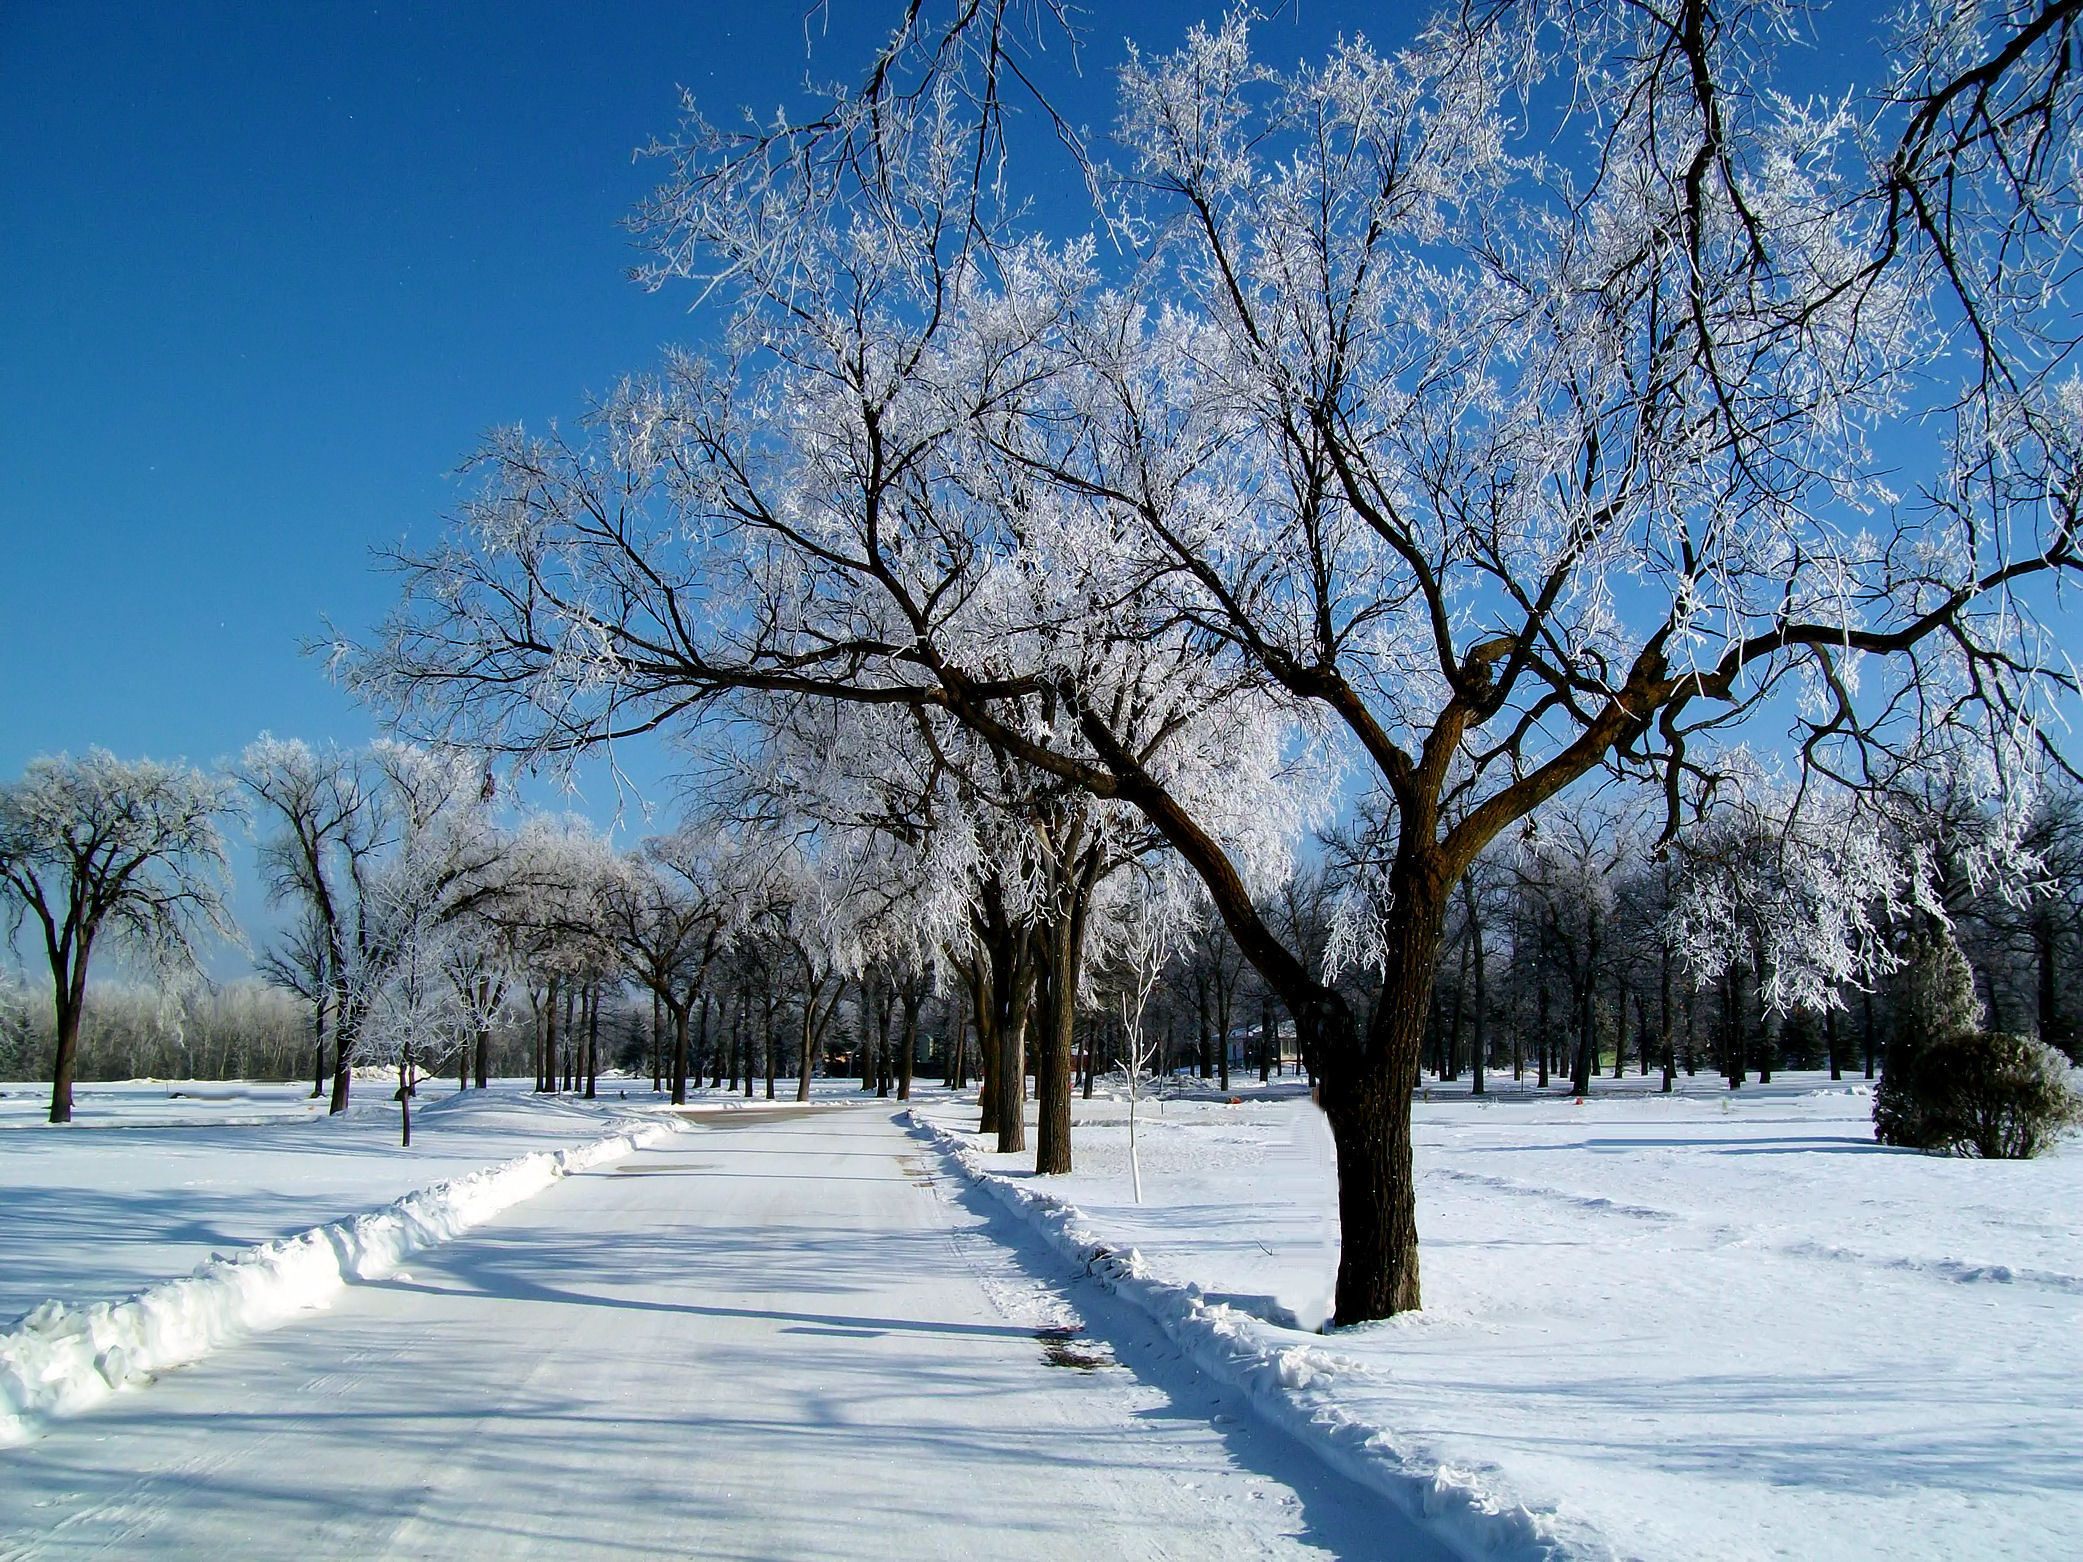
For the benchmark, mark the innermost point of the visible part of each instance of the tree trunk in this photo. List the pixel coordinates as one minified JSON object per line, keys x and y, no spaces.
{"x":908,"y":1058}
{"x":1541,"y":1039}
{"x":809,"y":1042}
{"x":593,"y":1043}
{"x":657,"y":1045}
{"x":1587,"y":1041}
{"x":71,"y":989}
{"x":1479,"y":1051}
{"x":680,"y":1015}
{"x":317,"y":1049}
{"x":347,"y":1030}
{"x":1066,"y":958}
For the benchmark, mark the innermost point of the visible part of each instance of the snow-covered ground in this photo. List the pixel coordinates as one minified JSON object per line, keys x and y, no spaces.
{"x":779,"y":1334}
{"x":151,"y":1178}
{"x":1708,"y":1325}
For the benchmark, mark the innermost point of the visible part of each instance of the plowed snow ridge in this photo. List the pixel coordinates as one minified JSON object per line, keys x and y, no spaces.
{"x":60,"y":1360}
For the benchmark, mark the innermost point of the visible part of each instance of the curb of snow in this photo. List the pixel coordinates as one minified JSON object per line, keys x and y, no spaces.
{"x":59,"y":1360}
{"x":1295,"y":1388}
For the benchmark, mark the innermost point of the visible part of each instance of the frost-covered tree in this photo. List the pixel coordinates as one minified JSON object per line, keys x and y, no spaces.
{"x":378,"y":850}
{"x":98,"y":848}
{"x":1512,"y":407}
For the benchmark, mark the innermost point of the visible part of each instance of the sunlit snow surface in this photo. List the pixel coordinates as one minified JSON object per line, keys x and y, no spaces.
{"x":152,"y":1178}
{"x":1714,"y":1324}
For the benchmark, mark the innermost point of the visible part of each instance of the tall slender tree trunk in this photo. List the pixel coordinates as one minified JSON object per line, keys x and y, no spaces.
{"x":593,"y":1042}
{"x":1479,"y":1051}
{"x":907,"y":1060}
{"x":318,"y":1049}
{"x":347,"y":1031}
{"x":804,"y":1059}
{"x":657,"y":1045}
{"x":680,"y":1060}
{"x":1066,"y":957}
{"x":71,"y":1001}
{"x":1545,"y":1019}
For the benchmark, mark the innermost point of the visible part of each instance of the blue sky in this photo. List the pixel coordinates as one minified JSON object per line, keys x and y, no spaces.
{"x":267,"y":272}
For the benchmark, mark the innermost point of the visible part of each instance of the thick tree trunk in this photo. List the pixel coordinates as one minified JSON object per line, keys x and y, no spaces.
{"x":1366,"y":1094}
{"x":317,"y":1051}
{"x":657,"y":1045}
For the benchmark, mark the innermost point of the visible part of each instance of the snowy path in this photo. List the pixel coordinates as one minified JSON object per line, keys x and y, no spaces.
{"x":776,"y":1336}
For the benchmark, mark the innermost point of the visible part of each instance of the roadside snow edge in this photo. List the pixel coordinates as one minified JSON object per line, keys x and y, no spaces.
{"x":59,"y":1360}
{"x":1294,"y":1387}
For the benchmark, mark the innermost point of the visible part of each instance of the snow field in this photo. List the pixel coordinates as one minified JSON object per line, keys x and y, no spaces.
{"x":61,"y":1359}
{"x":1716,"y":1325}
{"x":151,"y":1180}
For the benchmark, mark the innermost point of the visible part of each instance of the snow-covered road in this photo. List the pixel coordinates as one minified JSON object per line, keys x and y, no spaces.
{"x":777,"y":1335}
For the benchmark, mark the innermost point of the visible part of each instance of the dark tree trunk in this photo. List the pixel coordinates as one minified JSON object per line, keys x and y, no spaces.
{"x":1541,"y":1039}
{"x":907,"y":1060}
{"x":71,"y":1001}
{"x":1479,"y":1052}
{"x":1731,"y":1029}
{"x":1065,"y":941}
{"x":809,"y":1043}
{"x":317,"y":1050}
{"x":347,"y":1029}
{"x":679,"y":1068}
{"x":593,"y":1043}
{"x":657,"y":1045}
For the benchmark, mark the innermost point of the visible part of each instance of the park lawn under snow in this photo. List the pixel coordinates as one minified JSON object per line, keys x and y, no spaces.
{"x":1713,"y":1324}
{"x":151,"y":1178}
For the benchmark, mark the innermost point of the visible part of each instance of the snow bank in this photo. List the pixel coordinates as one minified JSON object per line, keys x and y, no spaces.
{"x":1296,"y":1387}
{"x":59,"y":1360}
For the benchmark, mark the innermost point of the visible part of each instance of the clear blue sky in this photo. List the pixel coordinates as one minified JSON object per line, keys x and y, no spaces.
{"x":266,"y":273}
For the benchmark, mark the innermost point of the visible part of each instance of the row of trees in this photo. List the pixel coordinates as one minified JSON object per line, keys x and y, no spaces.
{"x":1554,"y":395}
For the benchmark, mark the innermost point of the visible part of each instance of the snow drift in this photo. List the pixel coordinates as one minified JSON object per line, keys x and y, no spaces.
{"x":1295,"y":1386}
{"x":59,"y":1360}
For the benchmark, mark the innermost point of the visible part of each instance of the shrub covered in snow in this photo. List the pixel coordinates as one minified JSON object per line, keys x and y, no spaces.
{"x":1997,"y":1096}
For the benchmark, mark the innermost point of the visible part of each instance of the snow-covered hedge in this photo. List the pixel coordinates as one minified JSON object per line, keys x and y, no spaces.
{"x":58,"y":1360}
{"x":1295,"y":1386}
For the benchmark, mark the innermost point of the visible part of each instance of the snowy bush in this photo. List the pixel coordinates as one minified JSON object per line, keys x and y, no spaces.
{"x":1998,"y":1096}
